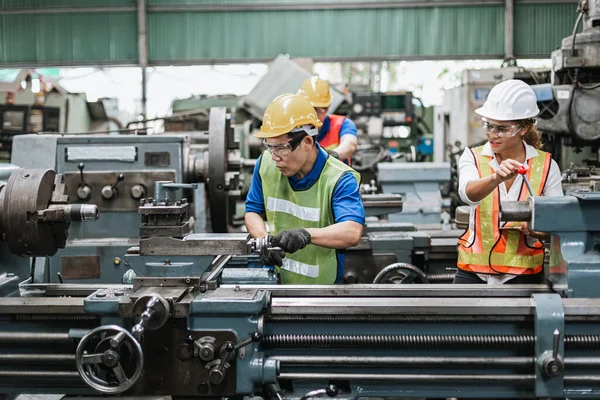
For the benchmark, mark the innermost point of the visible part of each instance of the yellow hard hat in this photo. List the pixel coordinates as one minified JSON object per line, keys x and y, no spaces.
{"x":286,"y":113}
{"x":316,"y":90}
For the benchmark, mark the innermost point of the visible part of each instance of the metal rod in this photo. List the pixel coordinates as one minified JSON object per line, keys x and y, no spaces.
{"x":37,"y":358}
{"x":399,"y":341}
{"x":509,"y":16}
{"x":33,"y":337}
{"x":582,"y":361}
{"x":333,"y":6}
{"x":582,"y":379}
{"x":268,"y":7}
{"x":41,"y":305}
{"x":410,"y":378}
{"x":67,"y":10}
{"x":400,"y":306}
{"x":71,"y":289}
{"x":142,"y":49}
{"x":39,"y":374}
{"x":374,"y":290}
{"x":218,"y":267}
{"x":412,"y":361}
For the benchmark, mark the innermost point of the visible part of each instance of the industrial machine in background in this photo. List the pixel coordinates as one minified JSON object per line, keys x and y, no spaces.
{"x":187,"y":327}
{"x":49,"y":108}
{"x":568,"y":98}
{"x":571,"y":120}
{"x":117,"y":172}
{"x":393,"y":133}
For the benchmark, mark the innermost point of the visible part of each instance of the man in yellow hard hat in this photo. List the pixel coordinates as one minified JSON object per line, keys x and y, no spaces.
{"x":338,"y":134}
{"x":311,"y":201}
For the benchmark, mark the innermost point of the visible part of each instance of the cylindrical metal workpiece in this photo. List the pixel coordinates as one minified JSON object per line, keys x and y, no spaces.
{"x":83,"y":212}
{"x":515,"y":211}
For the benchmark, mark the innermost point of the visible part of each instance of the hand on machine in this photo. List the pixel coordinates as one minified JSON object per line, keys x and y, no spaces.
{"x":292,"y":240}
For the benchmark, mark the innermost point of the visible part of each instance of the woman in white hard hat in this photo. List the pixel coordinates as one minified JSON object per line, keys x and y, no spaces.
{"x":489,"y":251}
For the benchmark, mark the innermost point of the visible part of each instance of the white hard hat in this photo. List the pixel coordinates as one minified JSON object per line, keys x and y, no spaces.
{"x":510,"y":100}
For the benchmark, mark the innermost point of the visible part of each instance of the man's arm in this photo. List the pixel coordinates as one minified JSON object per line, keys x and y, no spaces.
{"x":348,"y":140}
{"x":255,"y":225}
{"x":349,"y":215}
{"x":337,"y":236}
{"x":347,"y":147}
{"x":255,"y":205}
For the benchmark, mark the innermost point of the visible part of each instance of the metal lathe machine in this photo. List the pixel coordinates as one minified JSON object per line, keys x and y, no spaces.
{"x":191,"y":325}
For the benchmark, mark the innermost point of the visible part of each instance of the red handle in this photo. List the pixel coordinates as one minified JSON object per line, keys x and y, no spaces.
{"x":522,"y":170}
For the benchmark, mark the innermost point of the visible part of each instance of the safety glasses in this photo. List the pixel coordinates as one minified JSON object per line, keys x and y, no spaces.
{"x":283,"y":150}
{"x":502,"y":130}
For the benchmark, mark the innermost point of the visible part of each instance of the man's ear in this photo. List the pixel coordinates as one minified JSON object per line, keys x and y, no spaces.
{"x":309,"y":143}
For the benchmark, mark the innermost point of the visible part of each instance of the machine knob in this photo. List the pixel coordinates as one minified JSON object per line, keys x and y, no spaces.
{"x":205,"y":348}
{"x":331,"y":391}
{"x":151,"y":313}
{"x":554,"y":365}
{"x":108,"y":192}
{"x":84,"y":192}
{"x":138,"y":192}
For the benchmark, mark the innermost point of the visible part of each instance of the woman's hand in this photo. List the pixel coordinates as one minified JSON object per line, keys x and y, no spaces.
{"x":524,"y":228}
{"x":507,"y":170}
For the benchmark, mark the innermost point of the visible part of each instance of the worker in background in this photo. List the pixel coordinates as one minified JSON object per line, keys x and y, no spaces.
{"x":489,"y":251}
{"x":338,"y":134}
{"x":311,"y":200}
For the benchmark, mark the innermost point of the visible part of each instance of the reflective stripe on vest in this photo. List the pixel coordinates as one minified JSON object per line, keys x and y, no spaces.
{"x":287,"y":208}
{"x":332,"y":138}
{"x":495,"y":251}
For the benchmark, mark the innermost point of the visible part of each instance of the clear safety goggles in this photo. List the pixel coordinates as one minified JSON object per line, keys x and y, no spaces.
{"x":285,"y":149}
{"x":502,"y":130}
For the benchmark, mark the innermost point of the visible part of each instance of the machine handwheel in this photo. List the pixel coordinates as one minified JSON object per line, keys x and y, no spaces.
{"x":401,"y":273}
{"x":102,"y":369}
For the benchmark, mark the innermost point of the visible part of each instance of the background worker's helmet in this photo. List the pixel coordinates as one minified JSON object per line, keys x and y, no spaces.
{"x":316,"y":90}
{"x":510,"y":100}
{"x":289,"y":113}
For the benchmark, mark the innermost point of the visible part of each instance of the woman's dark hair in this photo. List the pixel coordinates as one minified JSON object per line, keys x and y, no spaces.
{"x":532,"y":137}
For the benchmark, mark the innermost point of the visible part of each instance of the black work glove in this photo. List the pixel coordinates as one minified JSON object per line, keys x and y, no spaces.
{"x":291,"y":240}
{"x":333,"y":154}
{"x":271,"y":258}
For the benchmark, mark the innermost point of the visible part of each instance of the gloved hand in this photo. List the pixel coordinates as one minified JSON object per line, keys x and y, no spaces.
{"x":291,"y":240}
{"x":271,"y":258}
{"x":333,"y":154}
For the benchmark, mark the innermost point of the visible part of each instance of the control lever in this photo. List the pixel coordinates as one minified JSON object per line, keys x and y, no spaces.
{"x":554,"y":365}
{"x":217,"y":373}
{"x":523,"y":172}
{"x":109,"y":191}
{"x":330,"y":391}
{"x":156,"y":312}
{"x":84,"y":191}
{"x":274,"y":390}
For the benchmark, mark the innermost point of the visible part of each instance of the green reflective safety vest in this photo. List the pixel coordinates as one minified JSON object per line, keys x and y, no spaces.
{"x":287,"y":208}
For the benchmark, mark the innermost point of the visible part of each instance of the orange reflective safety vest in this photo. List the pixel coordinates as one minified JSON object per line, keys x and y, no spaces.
{"x":502,"y":251}
{"x":332,"y":138}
